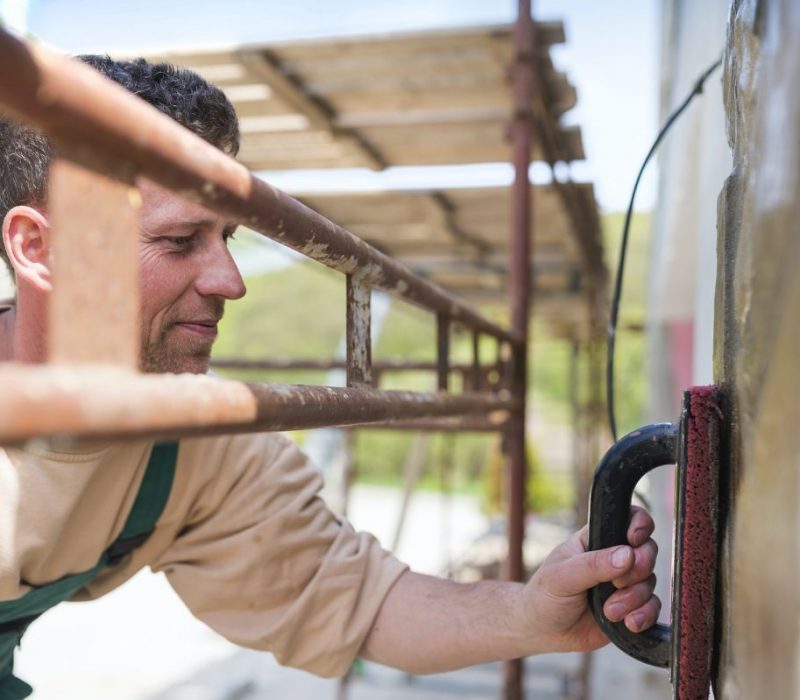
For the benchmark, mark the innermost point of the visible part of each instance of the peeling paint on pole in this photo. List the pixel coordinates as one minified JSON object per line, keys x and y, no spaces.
{"x":359,"y":336}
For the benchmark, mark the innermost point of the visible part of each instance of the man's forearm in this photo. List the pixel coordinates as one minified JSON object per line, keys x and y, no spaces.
{"x":430,"y":625}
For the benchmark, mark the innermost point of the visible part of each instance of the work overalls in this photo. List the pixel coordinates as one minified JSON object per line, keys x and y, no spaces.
{"x":16,"y":615}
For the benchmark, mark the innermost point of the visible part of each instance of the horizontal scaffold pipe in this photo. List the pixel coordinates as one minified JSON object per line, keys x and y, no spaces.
{"x":472,"y":424}
{"x":100,"y":125}
{"x":94,"y":401}
{"x":393,"y":365}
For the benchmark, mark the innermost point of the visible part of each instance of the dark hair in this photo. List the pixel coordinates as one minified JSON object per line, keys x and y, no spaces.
{"x":179,"y":93}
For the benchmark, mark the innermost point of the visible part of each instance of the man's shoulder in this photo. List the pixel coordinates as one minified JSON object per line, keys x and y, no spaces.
{"x":212,"y":468}
{"x":222,"y":449}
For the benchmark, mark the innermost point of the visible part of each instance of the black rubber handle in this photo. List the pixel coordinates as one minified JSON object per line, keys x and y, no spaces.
{"x":619,"y":471}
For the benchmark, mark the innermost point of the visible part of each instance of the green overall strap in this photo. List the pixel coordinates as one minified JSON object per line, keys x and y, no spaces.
{"x":16,"y":615}
{"x":149,"y":504}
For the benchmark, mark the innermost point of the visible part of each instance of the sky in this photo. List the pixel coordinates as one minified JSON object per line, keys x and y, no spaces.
{"x":611,"y":56}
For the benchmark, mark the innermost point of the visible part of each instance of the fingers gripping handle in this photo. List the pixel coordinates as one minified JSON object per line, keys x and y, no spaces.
{"x":609,"y":511}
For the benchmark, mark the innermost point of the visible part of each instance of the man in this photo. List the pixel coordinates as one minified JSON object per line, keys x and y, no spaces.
{"x":235,"y":521}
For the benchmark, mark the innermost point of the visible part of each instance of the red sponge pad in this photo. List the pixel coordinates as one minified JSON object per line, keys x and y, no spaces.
{"x":696,"y":544}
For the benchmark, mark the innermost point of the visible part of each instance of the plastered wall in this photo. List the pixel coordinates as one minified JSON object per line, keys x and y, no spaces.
{"x":757,"y":353}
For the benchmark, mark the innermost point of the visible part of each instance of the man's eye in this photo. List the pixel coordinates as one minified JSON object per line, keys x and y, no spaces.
{"x":180,"y":241}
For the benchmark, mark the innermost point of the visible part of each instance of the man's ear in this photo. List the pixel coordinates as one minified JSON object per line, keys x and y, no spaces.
{"x":26,"y":236}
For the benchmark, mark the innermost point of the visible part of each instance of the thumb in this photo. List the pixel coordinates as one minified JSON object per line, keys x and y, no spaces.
{"x":579,"y":573}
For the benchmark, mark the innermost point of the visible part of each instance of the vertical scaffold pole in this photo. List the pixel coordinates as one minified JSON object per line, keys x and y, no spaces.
{"x":357,"y":330}
{"x":94,"y":308}
{"x":520,"y":133}
{"x":477,"y":377}
{"x":442,"y":352}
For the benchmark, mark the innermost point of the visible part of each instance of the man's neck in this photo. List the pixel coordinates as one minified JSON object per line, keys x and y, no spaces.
{"x":7,"y":322}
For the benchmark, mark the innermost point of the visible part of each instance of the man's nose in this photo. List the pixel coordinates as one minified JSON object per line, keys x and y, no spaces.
{"x":220,"y":277}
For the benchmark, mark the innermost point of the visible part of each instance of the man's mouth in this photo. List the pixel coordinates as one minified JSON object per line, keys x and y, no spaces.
{"x":204,"y":328}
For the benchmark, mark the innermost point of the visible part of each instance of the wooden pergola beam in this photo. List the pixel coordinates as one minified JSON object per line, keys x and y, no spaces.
{"x":289,"y":87}
{"x":447,"y":210}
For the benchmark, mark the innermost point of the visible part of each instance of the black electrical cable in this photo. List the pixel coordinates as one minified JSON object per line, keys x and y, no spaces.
{"x":612,"y":321}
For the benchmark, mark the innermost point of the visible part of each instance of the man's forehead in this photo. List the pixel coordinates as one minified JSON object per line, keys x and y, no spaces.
{"x":162,"y":207}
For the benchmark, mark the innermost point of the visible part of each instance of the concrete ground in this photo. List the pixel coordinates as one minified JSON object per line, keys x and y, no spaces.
{"x":244,"y":676}
{"x":140,"y":642}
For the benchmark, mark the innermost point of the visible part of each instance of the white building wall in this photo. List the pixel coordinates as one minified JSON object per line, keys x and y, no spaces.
{"x":693,"y":162}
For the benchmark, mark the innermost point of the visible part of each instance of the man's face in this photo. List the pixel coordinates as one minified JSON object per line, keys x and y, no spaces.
{"x":186,"y":273}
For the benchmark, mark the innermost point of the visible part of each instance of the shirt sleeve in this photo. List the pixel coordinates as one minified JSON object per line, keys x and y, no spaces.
{"x":265,"y":563}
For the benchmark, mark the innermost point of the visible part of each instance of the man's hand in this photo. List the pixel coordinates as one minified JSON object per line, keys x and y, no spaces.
{"x":556,"y":596}
{"x":429,"y":625}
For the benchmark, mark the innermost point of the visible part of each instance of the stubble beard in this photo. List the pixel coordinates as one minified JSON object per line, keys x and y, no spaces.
{"x":166,"y":355}
{"x":170,"y":353}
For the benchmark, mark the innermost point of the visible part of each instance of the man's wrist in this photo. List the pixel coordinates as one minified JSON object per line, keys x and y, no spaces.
{"x":524,"y":635}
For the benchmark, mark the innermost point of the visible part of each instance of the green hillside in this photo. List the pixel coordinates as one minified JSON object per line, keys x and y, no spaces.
{"x":631,"y":342}
{"x":297,"y":311}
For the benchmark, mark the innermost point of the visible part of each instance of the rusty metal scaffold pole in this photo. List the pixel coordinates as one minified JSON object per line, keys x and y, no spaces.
{"x":98,"y":125}
{"x":520,"y":132}
{"x":387,"y":365}
{"x":106,"y":401}
{"x":101,"y":126}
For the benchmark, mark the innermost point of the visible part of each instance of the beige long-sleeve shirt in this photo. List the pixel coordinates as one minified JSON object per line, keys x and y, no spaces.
{"x":244,"y":539}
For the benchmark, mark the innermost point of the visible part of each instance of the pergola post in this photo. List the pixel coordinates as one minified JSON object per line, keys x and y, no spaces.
{"x":520,"y":133}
